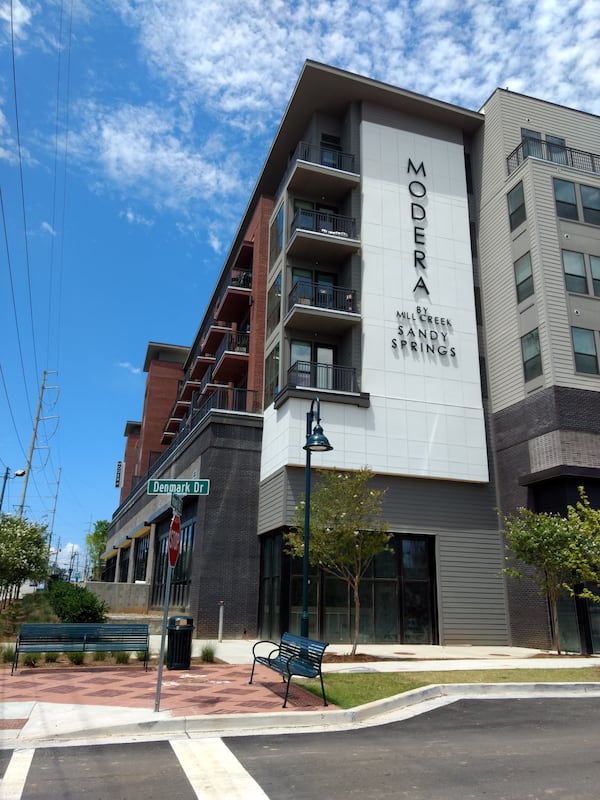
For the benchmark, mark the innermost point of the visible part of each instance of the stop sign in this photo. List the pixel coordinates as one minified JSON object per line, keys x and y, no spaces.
{"x":174,"y":539}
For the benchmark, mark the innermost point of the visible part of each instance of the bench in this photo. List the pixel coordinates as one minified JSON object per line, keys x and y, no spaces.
{"x":294,"y":655}
{"x":81,"y":637}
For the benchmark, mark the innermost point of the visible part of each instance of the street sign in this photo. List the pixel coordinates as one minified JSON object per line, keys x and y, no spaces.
{"x":179,"y":486}
{"x":177,"y":504}
{"x":174,"y":539}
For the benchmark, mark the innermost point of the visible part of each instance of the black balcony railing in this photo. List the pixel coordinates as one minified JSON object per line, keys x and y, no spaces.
{"x":332,"y":224}
{"x":233,"y":342}
{"x":322,"y":295}
{"x":314,"y":375}
{"x":324,"y":155}
{"x":557,"y":153}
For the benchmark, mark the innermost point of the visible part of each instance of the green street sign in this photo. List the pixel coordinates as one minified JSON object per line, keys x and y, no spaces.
{"x":182,"y":486}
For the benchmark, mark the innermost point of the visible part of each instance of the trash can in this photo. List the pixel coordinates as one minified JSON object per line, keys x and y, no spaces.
{"x":179,"y":646}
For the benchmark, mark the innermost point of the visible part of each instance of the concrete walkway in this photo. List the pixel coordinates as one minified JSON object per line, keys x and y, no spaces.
{"x":66,"y":703}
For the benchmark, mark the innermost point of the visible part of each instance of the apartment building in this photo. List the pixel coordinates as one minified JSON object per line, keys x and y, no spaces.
{"x":405,"y":261}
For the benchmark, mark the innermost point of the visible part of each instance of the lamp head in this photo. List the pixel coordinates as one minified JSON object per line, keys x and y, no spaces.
{"x":317,"y":442}
{"x":19,"y":473}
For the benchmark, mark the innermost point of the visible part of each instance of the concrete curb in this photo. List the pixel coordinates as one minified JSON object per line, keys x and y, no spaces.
{"x":380,"y":711}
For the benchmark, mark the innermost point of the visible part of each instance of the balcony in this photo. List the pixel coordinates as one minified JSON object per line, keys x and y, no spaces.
{"x":321,"y":236}
{"x":200,"y":365}
{"x":235,"y":298}
{"x":213,"y":336}
{"x":556,"y":153}
{"x":231,"y":359}
{"x":208,"y":384}
{"x":227,"y":399}
{"x":317,"y":170}
{"x":326,"y":377}
{"x":188,"y":387}
{"x":318,"y":306}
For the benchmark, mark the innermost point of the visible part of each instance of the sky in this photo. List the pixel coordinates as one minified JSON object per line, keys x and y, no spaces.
{"x":132,"y":133}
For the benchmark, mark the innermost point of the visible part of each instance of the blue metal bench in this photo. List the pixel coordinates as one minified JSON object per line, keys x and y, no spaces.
{"x":81,"y":637}
{"x":294,"y":655}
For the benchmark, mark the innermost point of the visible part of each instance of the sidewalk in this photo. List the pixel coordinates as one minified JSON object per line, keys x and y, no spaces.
{"x":73,"y":702}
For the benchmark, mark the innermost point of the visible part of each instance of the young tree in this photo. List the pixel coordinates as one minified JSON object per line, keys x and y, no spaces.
{"x":562,"y":552}
{"x":23,"y":553}
{"x":346,"y":532}
{"x":96,"y":546}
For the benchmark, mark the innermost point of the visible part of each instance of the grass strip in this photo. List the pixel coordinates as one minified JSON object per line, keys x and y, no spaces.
{"x":350,"y":689}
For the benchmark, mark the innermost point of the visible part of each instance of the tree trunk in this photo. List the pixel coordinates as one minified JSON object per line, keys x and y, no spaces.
{"x":356,"y":618}
{"x":553,"y":599}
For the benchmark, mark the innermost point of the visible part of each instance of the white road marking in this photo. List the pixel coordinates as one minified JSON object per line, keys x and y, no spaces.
{"x":13,"y":782}
{"x":214,"y":772}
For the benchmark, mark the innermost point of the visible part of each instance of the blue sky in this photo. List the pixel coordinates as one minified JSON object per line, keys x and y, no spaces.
{"x":131,"y":135}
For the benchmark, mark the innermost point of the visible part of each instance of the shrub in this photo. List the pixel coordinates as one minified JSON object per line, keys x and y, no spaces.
{"x":8,"y":654}
{"x":76,"y":658}
{"x":121,"y":657}
{"x":141,"y":655}
{"x":99,"y":655}
{"x":51,"y":658}
{"x":31,"y":659}
{"x":76,"y":603}
{"x":208,"y":653}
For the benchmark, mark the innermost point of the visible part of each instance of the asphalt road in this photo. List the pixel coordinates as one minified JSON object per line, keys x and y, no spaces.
{"x":528,"y":749}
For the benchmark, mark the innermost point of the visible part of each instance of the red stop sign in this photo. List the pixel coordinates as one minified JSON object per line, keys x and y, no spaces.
{"x":174,"y":539}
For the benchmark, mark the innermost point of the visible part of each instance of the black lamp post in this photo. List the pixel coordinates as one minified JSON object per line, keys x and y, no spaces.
{"x":317,"y":442}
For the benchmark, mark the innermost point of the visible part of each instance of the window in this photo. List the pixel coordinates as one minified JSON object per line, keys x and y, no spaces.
{"x":276,"y":237}
{"x":590,"y":200}
{"x":595,"y":266}
{"x":271,"y":376}
{"x":557,"y":150}
{"x":532,"y":143}
{"x":532,"y":359}
{"x":312,"y":364}
{"x":566,"y":201}
{"x":574,"y":267}
{"x":330,"y":150}
{"x":584,"y":348}
{"x":516,"y":206}
{"x":523,"y":277}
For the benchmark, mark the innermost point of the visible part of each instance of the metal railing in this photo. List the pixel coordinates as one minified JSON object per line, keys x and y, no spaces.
{"x":225,"y":399}
{"x":332,"y":224}
{"x":313,"y":375}
{"x":233,"y":342}
{"x":557,"y":153}
{"x":319,"y":295}
{"x":319,"y":154}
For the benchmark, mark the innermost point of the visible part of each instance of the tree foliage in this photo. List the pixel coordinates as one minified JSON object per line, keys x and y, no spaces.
{"x":346,"y":529}
{"x":96,"y":546}
{"x":23,"y":553}
{"x":563,"y":553}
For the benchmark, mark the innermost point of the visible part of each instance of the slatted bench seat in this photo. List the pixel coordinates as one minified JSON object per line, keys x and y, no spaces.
{"x":81,"y":637}
{"x":294,"y":655}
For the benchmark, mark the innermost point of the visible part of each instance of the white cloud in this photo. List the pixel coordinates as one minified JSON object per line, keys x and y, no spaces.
{"x":129,"y":367}
{"x":21,"y":18}
{"x":47,"y":228}
{"x":136,"y":219}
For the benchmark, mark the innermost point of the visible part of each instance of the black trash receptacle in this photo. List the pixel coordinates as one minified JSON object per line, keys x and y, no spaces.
{"x":179,"y":642}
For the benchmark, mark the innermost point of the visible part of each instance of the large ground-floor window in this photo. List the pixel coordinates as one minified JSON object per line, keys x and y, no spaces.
{"x":181,"y":577}
{"x":397,"y":595}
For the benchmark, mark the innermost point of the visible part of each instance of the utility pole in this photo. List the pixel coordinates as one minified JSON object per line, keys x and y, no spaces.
{"x":52,"y":517}
{"x":32,"y":444}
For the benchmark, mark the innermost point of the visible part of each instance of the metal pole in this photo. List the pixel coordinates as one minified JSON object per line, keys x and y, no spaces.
{"x":161,"y":655}
{"x":6,"y":474}
{"x":221,"y":613}
{"x":305,"y":559}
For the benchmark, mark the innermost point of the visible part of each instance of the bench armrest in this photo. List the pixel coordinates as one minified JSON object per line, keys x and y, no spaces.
{"x":274,"y":648}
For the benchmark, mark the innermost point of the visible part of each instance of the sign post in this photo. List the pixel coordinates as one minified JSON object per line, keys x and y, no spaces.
{"x":174,"y":545}
{"x":176,"y":488}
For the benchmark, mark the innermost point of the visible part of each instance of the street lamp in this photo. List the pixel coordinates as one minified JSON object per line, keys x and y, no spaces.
{"x":18,"y":474}
{"x":316,"y":442}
